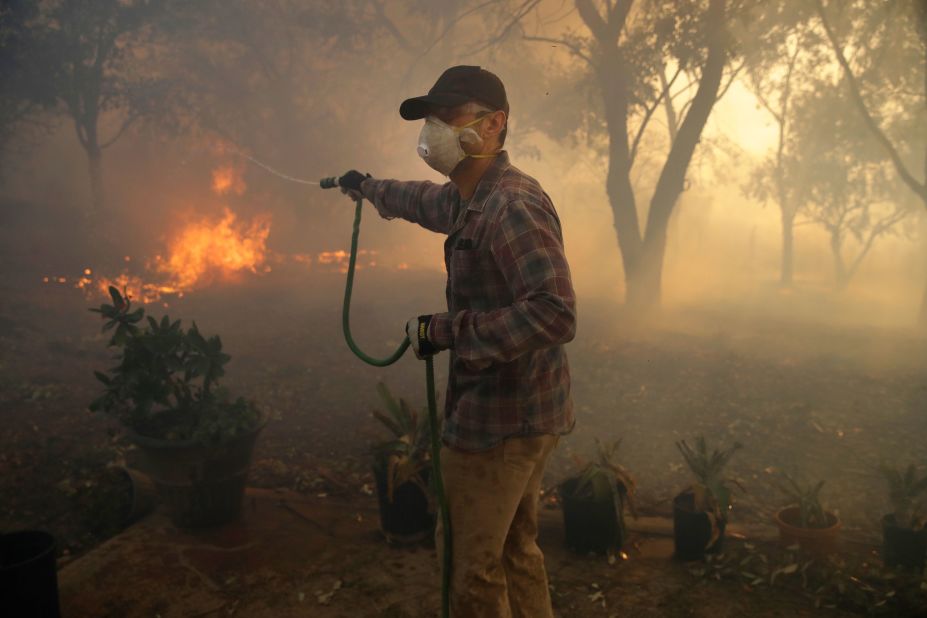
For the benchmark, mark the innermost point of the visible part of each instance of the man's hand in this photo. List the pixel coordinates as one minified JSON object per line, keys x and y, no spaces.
{"x":417,"y":331}
{"x":350,"y":184}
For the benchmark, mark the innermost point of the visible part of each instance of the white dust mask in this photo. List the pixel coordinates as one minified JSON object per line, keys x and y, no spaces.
{"x":439,"y":144}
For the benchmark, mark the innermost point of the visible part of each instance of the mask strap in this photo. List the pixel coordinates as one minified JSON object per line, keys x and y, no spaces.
{"x":479,"y":156}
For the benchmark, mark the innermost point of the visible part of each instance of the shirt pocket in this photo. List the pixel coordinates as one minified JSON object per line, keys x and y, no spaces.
{"x":468,"y":274}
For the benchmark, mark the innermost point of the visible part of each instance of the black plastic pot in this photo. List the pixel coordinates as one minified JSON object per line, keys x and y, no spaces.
{"x":590,"y":525}
{"x":692,"y":529}
{"x":406,"y":519}
{"x":28,"y":575}
{"x":144,"y":494}
{"x":200,"y":486}
{"x":903,"y":547}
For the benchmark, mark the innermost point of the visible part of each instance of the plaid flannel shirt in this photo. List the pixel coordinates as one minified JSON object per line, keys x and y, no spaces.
{"x":510,"y":301}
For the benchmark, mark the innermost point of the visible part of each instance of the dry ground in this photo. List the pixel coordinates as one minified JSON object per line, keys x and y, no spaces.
{"x":827,"y":401}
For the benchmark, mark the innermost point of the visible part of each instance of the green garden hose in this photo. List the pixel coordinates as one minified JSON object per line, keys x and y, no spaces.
{"x":328,"y":183}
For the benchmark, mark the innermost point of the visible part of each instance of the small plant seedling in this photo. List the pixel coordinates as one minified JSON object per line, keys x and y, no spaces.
{"x":807,"y":498}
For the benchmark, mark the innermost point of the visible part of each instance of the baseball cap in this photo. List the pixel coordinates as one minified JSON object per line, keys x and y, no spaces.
{"x":457,"y":86}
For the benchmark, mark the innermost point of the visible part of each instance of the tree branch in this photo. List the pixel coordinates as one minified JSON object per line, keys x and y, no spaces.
{"x":762,"y":99}
{"x":391,"y":27}
{"x":132,"y":117}
{"x":919,"y":188}
{"x":575,"y":49}
{"x":593,"y":20}
{"x":650,"y":110}
{"x":731,"y":79}
{"x":525,"y":8}
{"x":883,"y":226}
{"x":454,"y":22}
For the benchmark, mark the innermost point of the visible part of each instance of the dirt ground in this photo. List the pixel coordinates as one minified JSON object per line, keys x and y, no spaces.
{"x":297,"y":555}
{"x":828,"y":402}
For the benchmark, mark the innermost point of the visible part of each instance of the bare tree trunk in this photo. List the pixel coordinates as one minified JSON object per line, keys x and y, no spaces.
{"x":618,"y":184}
{"x":643,"y":254}
{"x":645,"y":282}
{"x":95,"y":165}
{"x":672,"y":177}
{"x":841,"y":275}
{"x":922,"y":318}
{"x":788,"y":248}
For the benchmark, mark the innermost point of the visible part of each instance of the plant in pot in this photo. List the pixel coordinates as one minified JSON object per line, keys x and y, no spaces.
{"x":804,"y":521}
{"x":594,"y":502}
{"x":402,"y":470}
{"x":700,"y":511}
{"x":195,"y":439}
{"x":904,"y":535}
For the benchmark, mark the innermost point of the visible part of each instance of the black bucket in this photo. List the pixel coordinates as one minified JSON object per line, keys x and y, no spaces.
{"x":28,"y":575}
{"x":692,"y":530}
{"x":590,"y":525}
{"x":406,"y":519}
{"x":903,"y":547}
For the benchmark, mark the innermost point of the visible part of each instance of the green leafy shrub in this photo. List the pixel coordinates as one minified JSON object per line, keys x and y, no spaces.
{"x":165,"y":383}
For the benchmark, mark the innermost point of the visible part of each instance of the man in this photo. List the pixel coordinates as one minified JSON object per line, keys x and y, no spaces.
{"x":511,"y":307}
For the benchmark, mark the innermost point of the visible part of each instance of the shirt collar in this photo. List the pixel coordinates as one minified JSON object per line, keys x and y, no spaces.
{"x":488,"y":181}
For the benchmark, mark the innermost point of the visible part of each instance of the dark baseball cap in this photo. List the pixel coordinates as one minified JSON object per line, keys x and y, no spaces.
{"x":456,"y":86}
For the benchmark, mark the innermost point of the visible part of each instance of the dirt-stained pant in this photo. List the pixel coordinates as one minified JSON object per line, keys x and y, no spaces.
{"x":498,"y":569}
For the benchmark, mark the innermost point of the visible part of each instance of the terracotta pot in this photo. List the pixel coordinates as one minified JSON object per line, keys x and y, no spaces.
{"x":818,"y":541}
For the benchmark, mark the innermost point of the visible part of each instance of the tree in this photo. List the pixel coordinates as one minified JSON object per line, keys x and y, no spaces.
{"x":93,"y":67}
{"x":627,"y":48}
{"x":784,"y":55}
{"x":885,"y":76}
{"x":840,"y":179}
{"x":23,"y":93}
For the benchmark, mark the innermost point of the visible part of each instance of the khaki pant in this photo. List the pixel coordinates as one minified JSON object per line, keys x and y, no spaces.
{"x":498,"y":569}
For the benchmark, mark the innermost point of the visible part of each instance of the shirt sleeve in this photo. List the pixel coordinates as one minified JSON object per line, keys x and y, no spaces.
{"x":422,"y":202}
{"x":527,"y":247}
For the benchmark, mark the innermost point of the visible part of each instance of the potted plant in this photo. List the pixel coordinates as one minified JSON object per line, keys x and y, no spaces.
{"x":402,"y":470}
{"x":700,"y":511}
{"x":904,"y":535}
{"x":594,"y":502}
{"x":195,"y":438}
{"x":805,"y":521}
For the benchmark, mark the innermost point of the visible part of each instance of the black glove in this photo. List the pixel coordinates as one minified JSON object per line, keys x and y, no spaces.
{"x":417,"y":332}
{"x":352,"y":180}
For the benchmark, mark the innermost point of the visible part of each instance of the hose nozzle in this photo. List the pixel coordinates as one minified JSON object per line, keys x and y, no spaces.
{"x":329,"y":183}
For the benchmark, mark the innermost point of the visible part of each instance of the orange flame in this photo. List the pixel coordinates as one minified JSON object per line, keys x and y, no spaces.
{"x":228,"y":179}
{"x":205,"y":250}
{"x":202,"y":252}
{"x":340,"y":258}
